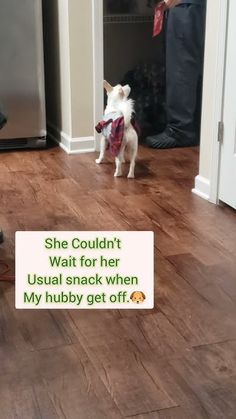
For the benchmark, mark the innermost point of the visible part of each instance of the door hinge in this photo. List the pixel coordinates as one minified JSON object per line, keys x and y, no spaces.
{"x":220,"y":131}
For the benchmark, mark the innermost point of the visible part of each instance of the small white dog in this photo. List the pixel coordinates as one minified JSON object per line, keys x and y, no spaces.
{"x":118,"y":128}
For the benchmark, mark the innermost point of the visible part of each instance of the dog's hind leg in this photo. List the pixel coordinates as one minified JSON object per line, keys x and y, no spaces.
{"x":102,"y":150}
{"x":133,"y":149}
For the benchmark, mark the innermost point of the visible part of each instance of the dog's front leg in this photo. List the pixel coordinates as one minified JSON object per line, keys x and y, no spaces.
{"x":118,"y":171}
{"x":102,"y":150}
{"x":123,"y":156}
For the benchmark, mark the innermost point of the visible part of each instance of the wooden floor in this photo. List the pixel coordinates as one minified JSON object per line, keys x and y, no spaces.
{"x":177,"y":361}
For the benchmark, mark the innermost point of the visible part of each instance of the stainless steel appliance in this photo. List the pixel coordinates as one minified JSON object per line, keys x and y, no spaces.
{"x":22,"y":93}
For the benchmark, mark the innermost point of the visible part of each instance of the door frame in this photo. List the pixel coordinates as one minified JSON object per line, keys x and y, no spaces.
{"x":98,"y":64}
{"x":218,"y":96}
{"x":218,"y":70}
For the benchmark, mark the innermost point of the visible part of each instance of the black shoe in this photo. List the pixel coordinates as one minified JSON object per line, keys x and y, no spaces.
{"x":169,"y":139}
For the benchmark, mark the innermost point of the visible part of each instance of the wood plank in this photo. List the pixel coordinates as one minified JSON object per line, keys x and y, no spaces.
{"x":155,"y":331}
{"x":9,"y":332}
{"x":172,"y":413}
{"x":196,"y":319}
{"x":58,"y":382}
{"x":204,"y":280}
{"x":25,"y":403}
{"x":175,"y":385}
{"x":133,"y":389}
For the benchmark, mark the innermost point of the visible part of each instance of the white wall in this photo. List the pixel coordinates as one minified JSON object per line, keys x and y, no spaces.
{"x":81,"y":64}
{"x":56,"y":45}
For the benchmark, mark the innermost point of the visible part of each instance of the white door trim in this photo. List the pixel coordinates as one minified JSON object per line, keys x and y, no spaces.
{"x":98,"y":64}
{"x":218,"y":93}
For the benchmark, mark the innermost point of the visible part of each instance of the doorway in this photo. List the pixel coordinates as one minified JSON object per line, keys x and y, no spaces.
{"x":130,"y":32}
{"x":133,"y":56}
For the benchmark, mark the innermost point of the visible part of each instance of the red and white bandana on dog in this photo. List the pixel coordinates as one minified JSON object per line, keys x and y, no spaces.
{"x":113,"y":130}
{"x":159,"y":18}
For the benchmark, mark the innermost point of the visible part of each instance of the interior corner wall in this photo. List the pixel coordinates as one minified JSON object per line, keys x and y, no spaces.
{"x":203,"y":180}
{"x":81,"y":65}
{"x":57,"y":65}
{"x":68,"y":48}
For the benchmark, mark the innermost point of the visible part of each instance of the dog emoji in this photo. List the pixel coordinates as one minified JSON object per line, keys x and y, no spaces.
{"x":137,"y":297}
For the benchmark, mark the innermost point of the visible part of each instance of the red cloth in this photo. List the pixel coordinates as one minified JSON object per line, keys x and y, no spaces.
{"x":116,"y":136}
{"x":117,"y":132}
{"x":159,"y":18}
{"x":99,"y":127}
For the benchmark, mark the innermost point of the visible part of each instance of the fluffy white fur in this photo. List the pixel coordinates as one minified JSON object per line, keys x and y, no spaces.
{"x":117,"y":100}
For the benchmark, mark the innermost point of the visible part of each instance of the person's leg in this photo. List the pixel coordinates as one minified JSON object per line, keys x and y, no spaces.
{"x":184,"y":60}
{"x":3,"y":120}
{"x":184,"y":68}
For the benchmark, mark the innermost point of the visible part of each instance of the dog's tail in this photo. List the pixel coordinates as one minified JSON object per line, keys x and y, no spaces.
{"x":127,"y":109}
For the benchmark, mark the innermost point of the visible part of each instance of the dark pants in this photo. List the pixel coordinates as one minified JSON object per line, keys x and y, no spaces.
{"x":2,"y":120}
{"x":184,"y":67}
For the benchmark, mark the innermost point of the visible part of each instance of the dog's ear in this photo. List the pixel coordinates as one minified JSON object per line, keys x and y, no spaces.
{"x":121,"y":92}
{"x":107,"y":86}
{"x":132,"y":295}
{"x":126,"y":90}
{"x":143,"y":295}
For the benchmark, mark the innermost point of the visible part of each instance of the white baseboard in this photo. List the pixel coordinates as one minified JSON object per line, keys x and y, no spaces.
{"x":71,"y":145}
{"x":202,"y":187}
